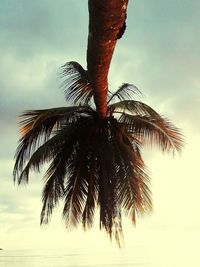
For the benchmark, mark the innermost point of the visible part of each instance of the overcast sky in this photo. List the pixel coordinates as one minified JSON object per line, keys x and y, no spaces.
{"x":160,"y":54}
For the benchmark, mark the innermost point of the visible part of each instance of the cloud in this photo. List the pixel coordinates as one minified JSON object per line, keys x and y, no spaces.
{"x":29,"y":28}
{"x":35,"y":41}
{"x":159,"y":52}
{"x":12,"y":204}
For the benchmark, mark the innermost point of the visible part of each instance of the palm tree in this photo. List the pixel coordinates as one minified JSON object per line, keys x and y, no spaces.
{"x":95,"y":162}
{"x":94,"y":146}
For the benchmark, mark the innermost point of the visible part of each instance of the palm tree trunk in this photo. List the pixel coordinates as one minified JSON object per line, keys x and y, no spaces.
{"x":106,"y":25}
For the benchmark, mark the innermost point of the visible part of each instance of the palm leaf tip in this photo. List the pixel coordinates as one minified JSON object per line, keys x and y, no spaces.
{"x":147,"y":125}
{"x":125,"y":91}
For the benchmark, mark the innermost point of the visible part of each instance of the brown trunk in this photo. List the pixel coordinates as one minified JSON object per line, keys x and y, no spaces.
{"x":106,"y":25}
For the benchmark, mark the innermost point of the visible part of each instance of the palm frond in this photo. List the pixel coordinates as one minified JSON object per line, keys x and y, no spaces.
{"x":37,"y":126}
{"x":107,"y":182}
{"x":92,"y":189}
{"x":157,"y":131}
{"x":80,"y":178}
{"x":94,"y":162}
{"x":75,"y":195}
{"x":132,"y":188}
{"x":54,"y":187}
{"x":47,"y":151}
{"x":76,"y":83}
{"x":125,"y":91}
{"x":66,"y":163}
{"x":133,"y":107}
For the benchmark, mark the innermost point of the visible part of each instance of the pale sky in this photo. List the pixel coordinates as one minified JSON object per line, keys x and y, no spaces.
{"x":160,"y":54}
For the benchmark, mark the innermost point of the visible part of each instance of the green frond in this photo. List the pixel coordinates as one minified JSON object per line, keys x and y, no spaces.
{"x":76,"y":83}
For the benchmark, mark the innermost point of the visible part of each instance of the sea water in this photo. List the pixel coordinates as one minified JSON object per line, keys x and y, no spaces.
{"x":84,"y":258}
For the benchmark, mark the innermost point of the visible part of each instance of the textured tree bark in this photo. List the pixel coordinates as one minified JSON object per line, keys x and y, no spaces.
{"x":106,"y":25}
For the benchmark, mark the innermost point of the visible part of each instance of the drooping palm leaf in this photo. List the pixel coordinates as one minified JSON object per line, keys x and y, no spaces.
{"x":37,"y":127}
{"x":134,"y":194}
{"x":124,"y":92}
{"x":77,"y":183}
{"x":43,"y":154}
{"x":76,"y":83}
{"x":133,"y":107}
{"x":54,"y":186}
{"x":64,"y":165}
{"x":92,"y":191}
{"x":94,"y":162}
{"x":153,"y":130}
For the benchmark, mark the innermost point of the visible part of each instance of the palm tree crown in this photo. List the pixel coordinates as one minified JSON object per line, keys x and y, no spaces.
{"x":94,"y":162}
{"x":94,"y":146}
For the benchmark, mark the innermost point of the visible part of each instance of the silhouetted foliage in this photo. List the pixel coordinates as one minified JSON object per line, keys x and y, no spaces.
{"x":93,"y":162}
